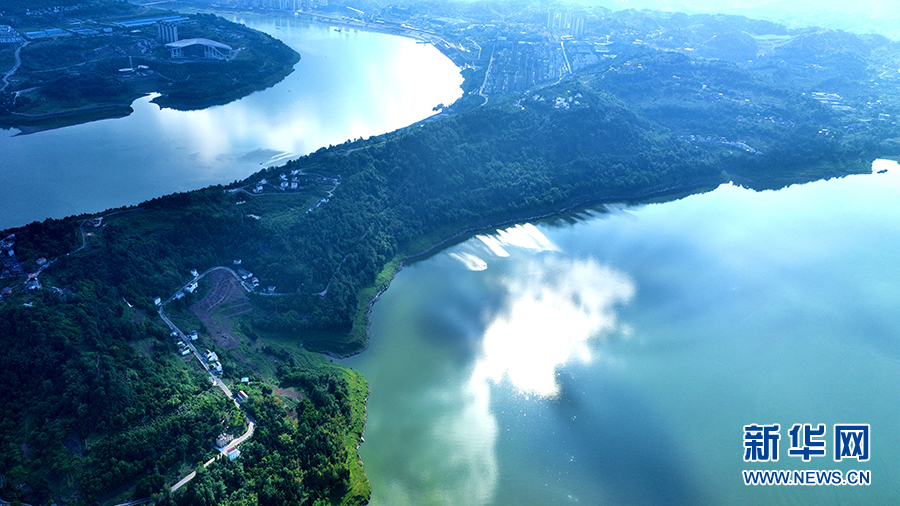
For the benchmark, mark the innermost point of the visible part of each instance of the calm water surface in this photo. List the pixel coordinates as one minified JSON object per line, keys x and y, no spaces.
{"x":614,"y":357}
{"x":348,"y":84}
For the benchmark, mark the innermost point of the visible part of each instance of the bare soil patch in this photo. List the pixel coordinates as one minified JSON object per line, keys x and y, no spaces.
{"x":224,"y":300}
{"x":289,"y":392}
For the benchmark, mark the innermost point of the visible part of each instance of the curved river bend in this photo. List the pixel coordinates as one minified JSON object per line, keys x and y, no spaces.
{"x":348,"y":84}
{"x":608,"y":357}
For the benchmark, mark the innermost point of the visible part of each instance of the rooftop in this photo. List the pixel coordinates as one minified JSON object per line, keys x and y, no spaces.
{"x":202,"y":42}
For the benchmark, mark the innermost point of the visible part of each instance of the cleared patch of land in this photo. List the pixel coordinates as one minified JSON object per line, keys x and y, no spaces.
{"x":224,"y":300}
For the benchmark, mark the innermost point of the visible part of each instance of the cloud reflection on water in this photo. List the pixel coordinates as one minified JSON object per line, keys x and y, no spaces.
{"x":551,"y":316}
{"x":554,"y":308}
{"x":525,"y":236}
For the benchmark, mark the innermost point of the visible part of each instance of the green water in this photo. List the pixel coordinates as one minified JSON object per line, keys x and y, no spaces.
{"x":613,"y":356}
{"x":348,"y":84}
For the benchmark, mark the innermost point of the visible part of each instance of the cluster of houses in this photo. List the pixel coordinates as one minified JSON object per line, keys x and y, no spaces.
{"x":222,"y":441}
{"x":831,"y":99}
{"x":212,"y":360}
{"x":183,"y":348}
{"x":190,"y":288}
{"x":248,"y":276}
{"x":286,"y":181}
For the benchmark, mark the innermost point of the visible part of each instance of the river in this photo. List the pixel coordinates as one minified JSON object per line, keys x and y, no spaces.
{"x":348,"y":84}
{"x":607,"y":357}
{"x":613,"y":356}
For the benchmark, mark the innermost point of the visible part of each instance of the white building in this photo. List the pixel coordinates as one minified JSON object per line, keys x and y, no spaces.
{"x":200,"y":48}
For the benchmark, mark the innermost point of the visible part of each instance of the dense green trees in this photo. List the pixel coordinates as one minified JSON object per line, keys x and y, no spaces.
{"x":297,"y":460}
{"x":621,"y":132}
{"x":87,"y":407}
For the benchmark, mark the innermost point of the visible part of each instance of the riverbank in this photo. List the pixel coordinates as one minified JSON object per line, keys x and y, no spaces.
{"x":33,"y":123}
{"x":461,"y":58}
{"x":441,"y":239}
{"x":455,"y":53}
{"x":697,"y":265}
{"x":44,"y":89}
{"x":437,"y":242}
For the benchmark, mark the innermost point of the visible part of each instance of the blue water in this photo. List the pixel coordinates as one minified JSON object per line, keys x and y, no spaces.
{"x":347,"y":85}
{"x":613,"y":356}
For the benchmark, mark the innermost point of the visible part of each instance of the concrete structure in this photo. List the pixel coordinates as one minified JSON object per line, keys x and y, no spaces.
{"x":150,"y":21}
{"x":85,"y":32}
{"x":223,"y":439}
{"x":200,"y":48}
{"x":168,"y":32}
{"x":42,"y":34}
{"x":284,"y":5}
{"x":568,"y":22}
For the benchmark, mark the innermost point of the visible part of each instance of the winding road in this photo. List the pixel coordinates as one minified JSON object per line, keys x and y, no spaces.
{"x":223,"y":453}
{"x":216,"y":381}
{"x":13,"y":70}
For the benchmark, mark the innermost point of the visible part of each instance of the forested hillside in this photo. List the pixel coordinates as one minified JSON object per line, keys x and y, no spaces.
{"x":97,"y":403}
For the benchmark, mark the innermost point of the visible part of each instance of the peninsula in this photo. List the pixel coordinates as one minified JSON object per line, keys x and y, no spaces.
{"x":70,"y":62}
{"x":104,"y":404}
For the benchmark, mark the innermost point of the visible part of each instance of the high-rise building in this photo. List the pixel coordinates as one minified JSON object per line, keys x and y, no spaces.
{"x":568,"y":22}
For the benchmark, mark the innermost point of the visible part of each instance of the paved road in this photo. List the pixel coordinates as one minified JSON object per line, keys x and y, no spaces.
{"x":218,"y":382}
{"x":487,"y":72}
{"x":83,"y":239}
{"x":15,"y":67}
{"x":247,"y":435}
{"x":186,"y":339}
